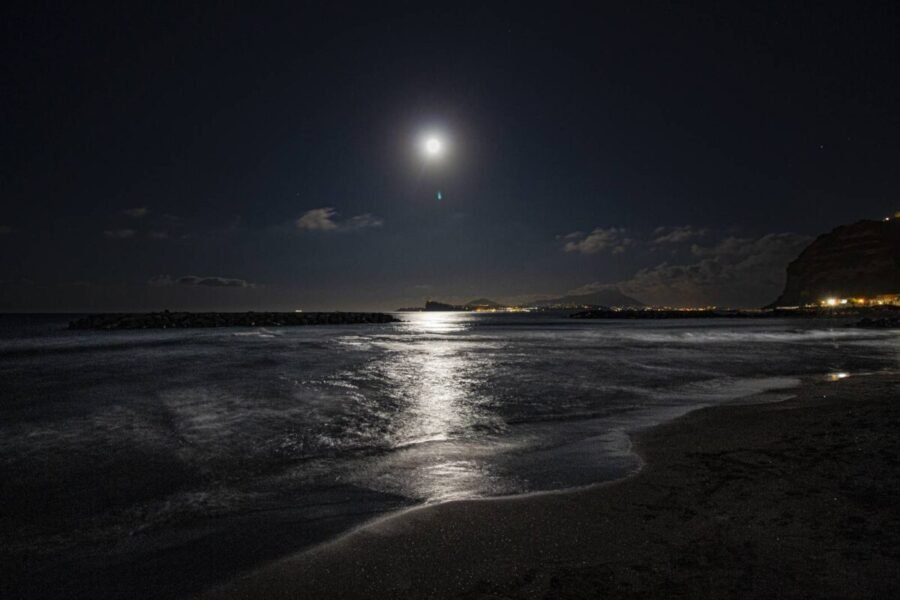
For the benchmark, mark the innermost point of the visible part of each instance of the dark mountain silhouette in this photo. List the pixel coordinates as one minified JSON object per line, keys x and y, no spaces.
{"x":484,"y":302}
{"x":858,"y":260}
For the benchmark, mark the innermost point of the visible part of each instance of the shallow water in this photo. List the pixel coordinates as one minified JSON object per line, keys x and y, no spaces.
{"x":150,"y":464}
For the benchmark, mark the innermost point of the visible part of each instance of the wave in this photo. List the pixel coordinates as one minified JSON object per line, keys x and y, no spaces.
{"x":800,"y":335}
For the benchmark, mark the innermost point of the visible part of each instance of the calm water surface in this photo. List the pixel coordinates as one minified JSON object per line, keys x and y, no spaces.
{"x":152,"y":464}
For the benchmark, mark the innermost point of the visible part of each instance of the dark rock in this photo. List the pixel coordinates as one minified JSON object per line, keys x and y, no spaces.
{"x":879,"y":323}
{"x":168,"y":320}
{"x":859,"y":260}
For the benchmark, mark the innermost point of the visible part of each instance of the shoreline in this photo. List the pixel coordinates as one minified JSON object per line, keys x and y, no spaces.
{"x":617,"y":536}
{"x":757,"y":398}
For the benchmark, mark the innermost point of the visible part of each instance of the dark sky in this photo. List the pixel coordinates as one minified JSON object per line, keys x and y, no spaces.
{"x":220,"y":158}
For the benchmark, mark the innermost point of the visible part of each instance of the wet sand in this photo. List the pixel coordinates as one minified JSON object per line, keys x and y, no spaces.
{"x":795,"y":499}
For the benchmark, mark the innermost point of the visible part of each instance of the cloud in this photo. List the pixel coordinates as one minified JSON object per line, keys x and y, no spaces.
{"x":5,"y":229}
{"x":213,"y":281}
{"x":317,"y":219}
{"x":737,"y":272}
{"x":194,"y":280}
{"x":158,"y":235}
{"x":160,"y":281}
{"x":136,"y":213}
{"x":363,"y":221}
{"x":677,"y":235}
{"x":119,"y":234}
{"x":612,"y":240}
{"x":323,"y":219}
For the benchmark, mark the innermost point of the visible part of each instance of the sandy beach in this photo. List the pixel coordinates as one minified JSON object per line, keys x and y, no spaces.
{"x":792,"y":499}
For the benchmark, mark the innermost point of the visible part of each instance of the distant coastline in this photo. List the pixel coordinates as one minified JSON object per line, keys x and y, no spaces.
{"x":870,"y":316}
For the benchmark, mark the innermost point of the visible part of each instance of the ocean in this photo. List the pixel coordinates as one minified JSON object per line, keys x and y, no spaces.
{"x":153,"y":464}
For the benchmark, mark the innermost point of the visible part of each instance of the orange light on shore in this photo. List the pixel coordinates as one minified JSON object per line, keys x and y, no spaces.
{"x":880,"y":300}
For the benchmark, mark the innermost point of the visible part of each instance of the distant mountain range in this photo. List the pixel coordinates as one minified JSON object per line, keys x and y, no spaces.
{"x":608,"y":298}
{"x":611,"y":297}
{"x":485,"y":302}
{"x":479,"y":303}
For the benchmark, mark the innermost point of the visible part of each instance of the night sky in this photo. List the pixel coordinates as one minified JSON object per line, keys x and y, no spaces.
{"x":190,"y":157}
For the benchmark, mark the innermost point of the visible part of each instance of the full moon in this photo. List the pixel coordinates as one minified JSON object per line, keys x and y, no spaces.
{"x":433,"y":146}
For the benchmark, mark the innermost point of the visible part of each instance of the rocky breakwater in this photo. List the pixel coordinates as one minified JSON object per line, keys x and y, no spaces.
{"x":186,"y":320}
{"x":879,"y":322}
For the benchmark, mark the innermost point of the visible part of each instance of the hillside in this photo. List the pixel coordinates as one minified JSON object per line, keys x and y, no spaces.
{"x":858,"y":260}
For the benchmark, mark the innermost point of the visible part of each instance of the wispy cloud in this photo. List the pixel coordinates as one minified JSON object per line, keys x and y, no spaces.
{"x":136,"y":213}
{"x":317,"y":219}
{"x":612,"y":239}
{"x":119,"y":234}
{"x":363,"y":221}
{"x":325,"y":219}
{"x":214,"y":281}
{"x":677,"y":235}
{"x":207,"y":281}
{"x":5,"y":229}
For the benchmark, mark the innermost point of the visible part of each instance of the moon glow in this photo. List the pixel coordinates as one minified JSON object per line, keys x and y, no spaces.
{"x":433,"y":146}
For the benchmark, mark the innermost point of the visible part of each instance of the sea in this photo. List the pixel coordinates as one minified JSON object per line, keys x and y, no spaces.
{"x":155,"y":464}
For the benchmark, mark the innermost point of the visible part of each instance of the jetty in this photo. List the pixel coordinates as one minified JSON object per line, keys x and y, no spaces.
{"x":187,"y":320}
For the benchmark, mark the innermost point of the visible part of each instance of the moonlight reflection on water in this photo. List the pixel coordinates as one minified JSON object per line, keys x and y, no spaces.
{"x":442,"y":427}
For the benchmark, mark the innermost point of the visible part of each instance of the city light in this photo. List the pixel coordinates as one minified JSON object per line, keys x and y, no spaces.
{"x":859,"y":301}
